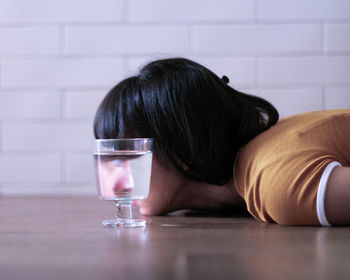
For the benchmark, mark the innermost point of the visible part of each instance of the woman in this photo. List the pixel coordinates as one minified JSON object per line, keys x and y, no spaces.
{"x":217,"y":148}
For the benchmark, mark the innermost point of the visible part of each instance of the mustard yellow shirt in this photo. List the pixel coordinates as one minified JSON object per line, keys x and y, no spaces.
{"x":279,"y":171}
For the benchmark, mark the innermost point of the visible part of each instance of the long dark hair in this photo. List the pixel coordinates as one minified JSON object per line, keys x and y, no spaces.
{"x":197,"y":121}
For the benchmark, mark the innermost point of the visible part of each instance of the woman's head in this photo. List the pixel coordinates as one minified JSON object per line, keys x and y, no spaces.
{"x":197,"y":121}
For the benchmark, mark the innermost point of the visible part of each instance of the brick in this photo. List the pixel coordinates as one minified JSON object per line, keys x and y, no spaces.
{"x":61,"y":72}
{"x":48,"y":189}
{"x":29,"y":104}
{"x":193,"y":10}
{"x":29,"y":168}
{"x":29,"y":41}
{"x":301,"y":9}
{"x":134,"y":64}
{"x":83,"y":104}
{"x":305,"y":70}
{"x":80,"y":168}
{"x":46,"y":136}
{"x":240,"y":70}
{"x":292,"y":101}
{"x":258,"y":38}
{"x":338,"y":37}
{"x":127,"y":39}
{"x":337,"y":98}
{"x":38,"y":11}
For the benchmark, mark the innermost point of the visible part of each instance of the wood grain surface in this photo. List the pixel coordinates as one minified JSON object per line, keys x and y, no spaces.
{"x":62,"y":238}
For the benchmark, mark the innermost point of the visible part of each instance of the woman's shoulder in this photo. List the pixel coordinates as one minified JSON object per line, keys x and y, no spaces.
{"x":315,"y":116}
{"x":278,"y":172}
{"x":304,"y":127}
{"x":295,"y":140}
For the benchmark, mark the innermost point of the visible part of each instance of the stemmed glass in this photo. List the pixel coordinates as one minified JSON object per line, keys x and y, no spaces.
{"x":123,"y":173}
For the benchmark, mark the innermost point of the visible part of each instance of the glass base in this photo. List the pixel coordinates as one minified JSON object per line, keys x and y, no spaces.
{"x":124,"y":223}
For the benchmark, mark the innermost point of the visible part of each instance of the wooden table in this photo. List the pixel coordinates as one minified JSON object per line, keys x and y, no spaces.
{"x":62,"y":238}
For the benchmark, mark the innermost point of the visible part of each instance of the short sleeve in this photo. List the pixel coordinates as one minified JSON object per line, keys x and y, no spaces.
{"x":282,"y":173}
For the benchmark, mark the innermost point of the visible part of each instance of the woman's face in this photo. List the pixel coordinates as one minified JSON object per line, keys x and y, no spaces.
{"x":116,"y":178}
{"x":166,"y":183}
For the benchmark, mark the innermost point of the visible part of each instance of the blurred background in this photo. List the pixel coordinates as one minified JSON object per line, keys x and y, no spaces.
{"x":59,"y":58}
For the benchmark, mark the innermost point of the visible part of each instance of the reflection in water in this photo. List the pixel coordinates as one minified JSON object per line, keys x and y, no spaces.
{"x":115,"y":178}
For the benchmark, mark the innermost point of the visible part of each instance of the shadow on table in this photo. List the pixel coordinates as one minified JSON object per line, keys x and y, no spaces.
{"x":237,"y":212}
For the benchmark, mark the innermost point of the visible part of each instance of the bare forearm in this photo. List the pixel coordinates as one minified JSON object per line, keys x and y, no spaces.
{"x":337,"y":199}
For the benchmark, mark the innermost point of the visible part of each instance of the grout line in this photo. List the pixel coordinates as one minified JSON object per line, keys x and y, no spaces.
{"x":61,"y":40}
{"x":323,"y":97}
{"x":192,"y":39}
{"x":121,"y":55}
{"x":63,"y":163}
{"x":41,"y":153}
{"x":44,"y":120}
{"x":126,"y":65}
{"x":258,"y":71}
{"x":1,"y":70}
{"x":62,"y":104}
{"x":1,"y":137}
{"x":125,"y":15}
{"x":256,"y":10}
{"x":324,"y":35}
{"x":47,"y":120}
{"x":125,"y":21}
{"x":49,"y":188}
{"x":248,"y":21}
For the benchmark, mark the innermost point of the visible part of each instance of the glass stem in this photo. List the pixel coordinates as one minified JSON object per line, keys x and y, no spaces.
{"x":124,"y":210}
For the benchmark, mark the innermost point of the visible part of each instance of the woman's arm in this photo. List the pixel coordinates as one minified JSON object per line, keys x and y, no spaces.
{"x":337,"y":198}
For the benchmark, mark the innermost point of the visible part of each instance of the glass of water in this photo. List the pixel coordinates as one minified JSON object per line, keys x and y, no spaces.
{"x":123,"y":174}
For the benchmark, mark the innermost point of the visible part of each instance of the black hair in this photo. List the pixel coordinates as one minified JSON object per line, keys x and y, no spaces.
{"x":198,"y":122}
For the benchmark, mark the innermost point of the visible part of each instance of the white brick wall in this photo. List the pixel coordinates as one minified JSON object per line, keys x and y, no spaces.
{"x":338,"y":37}
{"x":258,"y":38}
{"x":82,"y":104}
{"x":23,"y":168}
{"x":193,"y":10}
{"x":29,"y":104}
{"x":46,"y":136}
{"x":288,"y":101}
{"x":304,"y":10}
{"x":60,"y":12}
{"x":318,"y":70}
{"x":29,"y":41}
{"x":127,"y":39}
{"x":60,"y":73}
{"x":59,"y":58}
